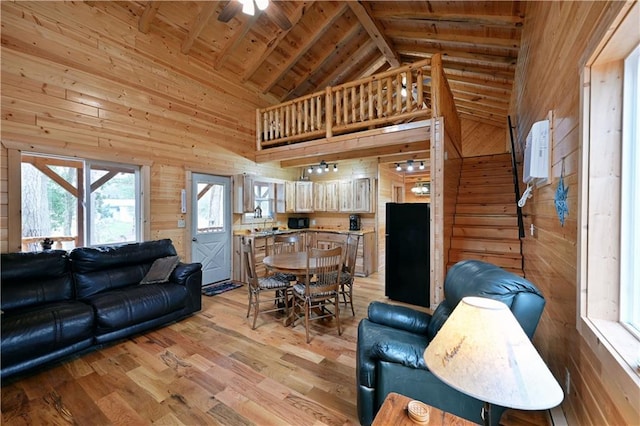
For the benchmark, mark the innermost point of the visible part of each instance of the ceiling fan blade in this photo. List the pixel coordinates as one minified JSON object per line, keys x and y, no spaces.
{"x":229,"y":11}
{"x":278,"y":16}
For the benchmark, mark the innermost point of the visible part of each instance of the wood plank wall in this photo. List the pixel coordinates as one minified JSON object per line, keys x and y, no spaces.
{"x":483,"y":139}
{"x":547,"y":78}
{"x":82,"y":81}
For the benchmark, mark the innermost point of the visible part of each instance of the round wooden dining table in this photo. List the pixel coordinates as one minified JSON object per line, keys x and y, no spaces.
{"x":290,"y":263}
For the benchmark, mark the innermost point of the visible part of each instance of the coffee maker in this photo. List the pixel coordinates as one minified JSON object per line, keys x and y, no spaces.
{"x":354,"y":222}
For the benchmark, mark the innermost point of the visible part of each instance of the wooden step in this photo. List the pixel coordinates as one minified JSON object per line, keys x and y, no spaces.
{"x":474,"y":197}
{"x":485,"y":180}
{"x":486,"y":245}
{"x":515,"y":271}
{"x":488,"y":159}
{"x":486,"y":171}
{"x":501,"y":188}
{"x":497,"y":221}
{"x":487,"y":209}
{"x":471,"y":231}
{"x":501,"y":260}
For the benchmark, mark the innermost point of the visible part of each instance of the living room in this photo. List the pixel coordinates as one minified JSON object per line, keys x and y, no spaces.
{"x":106,"y":81}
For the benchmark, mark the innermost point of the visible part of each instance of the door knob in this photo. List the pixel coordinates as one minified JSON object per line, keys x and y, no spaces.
{"x":194,"y":239}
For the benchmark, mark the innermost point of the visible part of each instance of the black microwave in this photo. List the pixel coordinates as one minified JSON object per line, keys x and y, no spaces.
{"x":298,"y":222}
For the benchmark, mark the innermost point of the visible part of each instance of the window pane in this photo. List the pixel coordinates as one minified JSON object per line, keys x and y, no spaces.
{"x":49,"y":207}
{"x":630,"y":224}
{"x":210,"y":208}
{"x":113,"y":205}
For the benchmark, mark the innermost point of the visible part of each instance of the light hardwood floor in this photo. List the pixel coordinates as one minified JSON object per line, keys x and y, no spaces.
{"x":210,"y":368}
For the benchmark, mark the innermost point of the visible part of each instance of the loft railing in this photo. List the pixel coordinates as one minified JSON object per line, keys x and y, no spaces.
{"x":391,"y":97}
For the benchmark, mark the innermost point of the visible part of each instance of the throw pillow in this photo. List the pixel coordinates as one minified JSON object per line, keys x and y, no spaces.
{"x":161,"y":270}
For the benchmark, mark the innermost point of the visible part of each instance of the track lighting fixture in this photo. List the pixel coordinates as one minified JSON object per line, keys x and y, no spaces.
{"x":409,"y":166}
{"x":322,"y":167}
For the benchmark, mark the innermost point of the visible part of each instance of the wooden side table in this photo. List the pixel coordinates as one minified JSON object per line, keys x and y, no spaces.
{"x":394,"y":412}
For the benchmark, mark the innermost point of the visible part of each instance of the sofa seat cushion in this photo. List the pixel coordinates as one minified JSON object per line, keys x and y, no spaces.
{"x":131,"y":305}
{"x":30,"y":333}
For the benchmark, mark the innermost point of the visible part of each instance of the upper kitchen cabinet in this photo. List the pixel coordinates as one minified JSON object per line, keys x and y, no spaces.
{"x":362,"y":195}
{"x":355,"y":195}
{"x":299,"y":197}
{"x":243,"y":194}
{"x":304,"y":197}
{"x":320,"y":196}
{"x":332,"y":200}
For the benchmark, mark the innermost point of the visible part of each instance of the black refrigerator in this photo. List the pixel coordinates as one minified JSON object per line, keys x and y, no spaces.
{"x":407,"y":246}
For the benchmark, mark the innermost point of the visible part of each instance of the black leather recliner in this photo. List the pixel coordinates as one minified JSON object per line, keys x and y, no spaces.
{"x":392,"y":340}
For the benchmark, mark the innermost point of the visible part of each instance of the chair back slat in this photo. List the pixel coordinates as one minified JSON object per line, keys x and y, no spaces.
{"x":249,"y":263}
{"x":352,"y":253}
{"x":323,"y":270}
{"x":286,"y":243}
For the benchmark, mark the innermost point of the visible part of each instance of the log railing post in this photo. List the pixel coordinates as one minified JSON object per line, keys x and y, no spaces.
{"x":329,"y":112}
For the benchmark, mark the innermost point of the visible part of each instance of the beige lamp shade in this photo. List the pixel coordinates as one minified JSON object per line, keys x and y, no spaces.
{"x":482,"y":351}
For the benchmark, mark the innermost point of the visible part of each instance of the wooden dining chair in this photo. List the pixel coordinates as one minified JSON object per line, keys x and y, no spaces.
{"x":285,"y":243}
{"x":349,"y":271}
{"x":263,"y":289}
{"x":318,"y":296}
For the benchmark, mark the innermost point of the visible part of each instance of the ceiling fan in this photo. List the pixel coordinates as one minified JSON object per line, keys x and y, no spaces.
{"x":247,"y":6}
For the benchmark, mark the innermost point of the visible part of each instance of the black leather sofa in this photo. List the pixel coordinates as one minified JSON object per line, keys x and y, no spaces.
{"x":392,"y":340}
{"x":56,"y":303}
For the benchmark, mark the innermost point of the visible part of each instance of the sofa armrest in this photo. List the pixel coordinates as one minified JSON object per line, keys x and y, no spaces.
{"x":399,"y":317}
{"x":190,"y":276}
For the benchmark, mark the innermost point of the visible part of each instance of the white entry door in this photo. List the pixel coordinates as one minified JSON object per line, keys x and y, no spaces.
{"x":211,"y":226}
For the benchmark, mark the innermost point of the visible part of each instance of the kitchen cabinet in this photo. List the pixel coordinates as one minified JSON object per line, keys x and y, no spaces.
{"x":262,"y":247}
{"x":332,"y":197}
{"x":243,"y":201}
{"x":362,"y":195}
{"x":320,"y":196}
{"x":304,"y":197}
{"x":345,"y":191}
{"x":290,"y":196}
{"x":299,"y":197}
{"x":367,"y":251}
{"x":259,"y":249}
{"x":355,"y":195}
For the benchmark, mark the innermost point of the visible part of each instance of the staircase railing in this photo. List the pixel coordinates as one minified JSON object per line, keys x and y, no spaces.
{"x":516,"y":184}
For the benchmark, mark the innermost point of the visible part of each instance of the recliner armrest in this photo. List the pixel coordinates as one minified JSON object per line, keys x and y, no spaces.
{"x":399,"y":317}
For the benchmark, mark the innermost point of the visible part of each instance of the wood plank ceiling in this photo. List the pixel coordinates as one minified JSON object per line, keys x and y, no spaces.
{"x":332,"y":42}
{"x":294,"y":48}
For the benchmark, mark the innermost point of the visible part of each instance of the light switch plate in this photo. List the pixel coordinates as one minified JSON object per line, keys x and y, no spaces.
{"x":182,"y":223}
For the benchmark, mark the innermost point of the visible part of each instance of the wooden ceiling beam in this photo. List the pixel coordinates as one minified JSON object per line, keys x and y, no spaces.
{"x":234,"y":41}
{"x":338,"y":74}
{"x":376,"y":138}
{"x":466,"y":40}
{"x":508,"y":21}
{"x":415,"y":52}
{"x":414,"y":149}
{"x":331,"y":52}
{"x":315,"y":35}
{"x":199,"y":23}
{"x":150,"y":10}
{"x":275,"y":41}
{"x":375,"y":32}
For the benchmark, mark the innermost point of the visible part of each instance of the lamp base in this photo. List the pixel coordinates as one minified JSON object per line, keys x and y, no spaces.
{"x":486,"y":414}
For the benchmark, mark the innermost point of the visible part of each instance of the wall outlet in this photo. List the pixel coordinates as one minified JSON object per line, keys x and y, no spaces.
{"x":313,"y":222}
{"x":567,"y":381}
{"x":182,"y":223}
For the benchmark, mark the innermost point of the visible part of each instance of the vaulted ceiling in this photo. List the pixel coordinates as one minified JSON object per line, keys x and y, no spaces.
{"x":295,"y":48}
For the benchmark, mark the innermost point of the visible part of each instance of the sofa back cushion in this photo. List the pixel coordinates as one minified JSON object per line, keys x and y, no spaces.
{"x":30,"y":279}
{"x":98,"y":269}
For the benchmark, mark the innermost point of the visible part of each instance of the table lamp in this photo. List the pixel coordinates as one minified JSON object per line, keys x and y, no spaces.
{"x":482,"y":351}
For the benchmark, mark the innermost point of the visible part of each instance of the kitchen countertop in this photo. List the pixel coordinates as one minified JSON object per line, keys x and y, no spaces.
{"x":289,"y":231}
